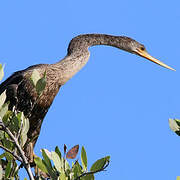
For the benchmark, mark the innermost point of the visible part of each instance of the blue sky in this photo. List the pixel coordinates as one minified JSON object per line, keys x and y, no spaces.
{"x":118,"y":104}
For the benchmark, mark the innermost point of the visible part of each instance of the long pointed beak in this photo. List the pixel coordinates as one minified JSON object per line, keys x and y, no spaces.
{"x":154,"y":60}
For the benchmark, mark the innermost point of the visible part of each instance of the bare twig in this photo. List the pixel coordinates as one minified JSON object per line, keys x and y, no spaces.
{"x":13,"y":153}
{"x":92,"y":172}
{"x":24,"y":159}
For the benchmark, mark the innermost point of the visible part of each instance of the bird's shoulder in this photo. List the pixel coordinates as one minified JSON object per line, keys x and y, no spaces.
{"x":14,"y":79}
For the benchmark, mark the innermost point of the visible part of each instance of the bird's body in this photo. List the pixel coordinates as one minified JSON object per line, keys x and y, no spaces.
{"x":23,"y":96}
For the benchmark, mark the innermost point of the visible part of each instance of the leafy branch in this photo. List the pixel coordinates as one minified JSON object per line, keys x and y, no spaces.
{"x":174,"y":125}
{"x":12,"y":153}
{"x":96,"y":171}
{"x":55,"y":166}
{"x":14,"y":127}
{"x":22,"y":157}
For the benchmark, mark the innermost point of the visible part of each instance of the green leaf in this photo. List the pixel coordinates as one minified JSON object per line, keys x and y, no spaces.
{"x":46,"y":159}
{"x":88,"y":177}
{"x":51,"y":171}
{"x":14,"y":171}
{"x":14,"y":125}
{"x":38,"y":161}
{"x":67,"y":167}
{"x":8,"y":169}
{"x":99,"y":164}
{"x":7,"y":117}
{"x":1,"y":135}
{"x":9,"y":156}
{"x":75,"y":171}
{"x":35,"y":76}
{"x":84,"y":158}
{"x":25,"y":123}
{"x":78,"y":168}
{"x":107,"y":158}
{"x":1,"y":172}
{"x":42,"y":164}
{"x":25,"y":128}
{"x":58,"y":151}
{"x":20,"y":116}
{"x":23,"y":139}
{"x":56,"y":161}
{"x":62,"y":176}
{"x":1,"y":71}
{"x":40,"y":86}
{"x":4,"y":109}
{"x":46,"y":154}
{"x":2,"y":156}
{"x":69,"y":173}
{"x":2,"y":98}
{"x":7,"y":143}
{"x":174,"y":125}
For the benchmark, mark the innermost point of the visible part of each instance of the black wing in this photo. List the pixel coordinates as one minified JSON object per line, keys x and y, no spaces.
{"x":11,"y":86}
{"x":15,"y":78}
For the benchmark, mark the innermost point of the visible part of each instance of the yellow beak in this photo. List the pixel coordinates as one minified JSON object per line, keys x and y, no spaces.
{"x":154,"y":60}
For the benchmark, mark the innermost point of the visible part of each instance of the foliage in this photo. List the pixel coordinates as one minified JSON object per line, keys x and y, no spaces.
{"x":13,"y":136}
{"x":175,"y":125}
{"x":56,"y":166}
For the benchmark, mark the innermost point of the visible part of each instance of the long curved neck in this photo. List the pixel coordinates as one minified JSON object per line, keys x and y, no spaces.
{"x":81,"y":43}
{"x":78,"y":54}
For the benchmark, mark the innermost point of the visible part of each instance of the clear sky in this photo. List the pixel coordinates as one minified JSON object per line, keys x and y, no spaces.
{"x":118,"y":104}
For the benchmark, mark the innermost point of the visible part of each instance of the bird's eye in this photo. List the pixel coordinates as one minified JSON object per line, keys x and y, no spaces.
{"x":142,"y":48}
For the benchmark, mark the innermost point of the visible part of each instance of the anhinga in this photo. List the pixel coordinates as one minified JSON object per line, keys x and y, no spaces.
{"x":22,"y":95}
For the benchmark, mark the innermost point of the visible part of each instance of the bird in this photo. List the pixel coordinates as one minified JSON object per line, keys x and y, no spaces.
{"x":23,"y":96}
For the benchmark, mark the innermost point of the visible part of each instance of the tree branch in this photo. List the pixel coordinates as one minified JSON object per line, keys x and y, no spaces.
{"x":92,"y":172}
{"x":12,"y":153}
{"x":24,"y":159}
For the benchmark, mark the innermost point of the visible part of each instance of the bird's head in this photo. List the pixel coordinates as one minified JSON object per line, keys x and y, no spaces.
{"x":135,"y":47}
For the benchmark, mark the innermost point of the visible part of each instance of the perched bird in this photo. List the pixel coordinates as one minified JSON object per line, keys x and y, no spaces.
{"x":23,"y":96}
